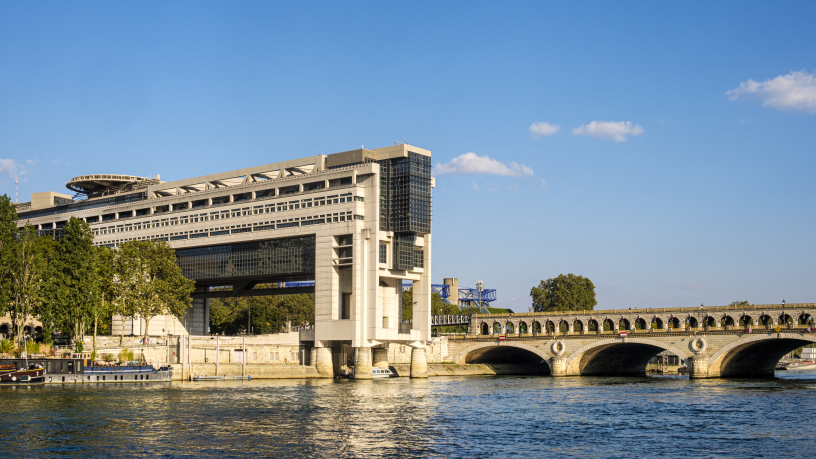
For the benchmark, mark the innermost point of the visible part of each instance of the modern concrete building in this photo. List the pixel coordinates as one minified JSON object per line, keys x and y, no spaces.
{"x":357,"y":223}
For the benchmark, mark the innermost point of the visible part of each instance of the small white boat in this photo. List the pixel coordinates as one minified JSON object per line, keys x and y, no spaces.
{"x":381,"y":372}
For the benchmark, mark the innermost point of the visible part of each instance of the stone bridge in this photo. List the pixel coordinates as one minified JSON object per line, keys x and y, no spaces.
{"x":722,"y":341}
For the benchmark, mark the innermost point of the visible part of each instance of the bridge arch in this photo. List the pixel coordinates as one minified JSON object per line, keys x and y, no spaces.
{"x":617,"y":356}
{"x":508,"y":358}
{"x":755,"y":355}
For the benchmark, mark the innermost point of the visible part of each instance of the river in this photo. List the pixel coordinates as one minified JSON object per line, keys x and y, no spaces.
{"x":438,"y":417}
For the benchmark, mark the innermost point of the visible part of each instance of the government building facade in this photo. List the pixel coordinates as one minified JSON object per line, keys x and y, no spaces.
{"x":349,"y":226}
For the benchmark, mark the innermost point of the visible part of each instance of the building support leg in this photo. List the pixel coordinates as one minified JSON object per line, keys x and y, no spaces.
{"x":419,"y":363}
{"x":323,"y":362}
{"x":362,"y":363}
{"x":313,"y":357}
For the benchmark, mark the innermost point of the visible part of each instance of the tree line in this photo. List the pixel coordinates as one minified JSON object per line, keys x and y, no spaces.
{"x":70,"y":285}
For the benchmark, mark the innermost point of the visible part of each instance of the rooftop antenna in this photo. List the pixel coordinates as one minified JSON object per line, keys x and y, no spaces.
{"x":403,"y":142}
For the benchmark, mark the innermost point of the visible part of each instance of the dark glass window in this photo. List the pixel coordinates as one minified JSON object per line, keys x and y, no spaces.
{"x":276,"y":256}
{"x":383,"y":253}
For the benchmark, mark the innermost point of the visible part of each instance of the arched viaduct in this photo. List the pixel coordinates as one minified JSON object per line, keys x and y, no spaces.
{"x":747,"y":341}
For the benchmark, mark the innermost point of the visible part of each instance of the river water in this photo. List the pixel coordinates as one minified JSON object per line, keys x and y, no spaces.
{"x":438,"y":417}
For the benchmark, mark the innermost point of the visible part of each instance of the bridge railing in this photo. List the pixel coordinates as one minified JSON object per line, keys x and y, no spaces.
{"x":754,"y":307}
{"x":450,"y":320}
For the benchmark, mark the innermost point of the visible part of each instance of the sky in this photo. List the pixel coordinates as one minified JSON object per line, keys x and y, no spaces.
{"x":665,"y":151}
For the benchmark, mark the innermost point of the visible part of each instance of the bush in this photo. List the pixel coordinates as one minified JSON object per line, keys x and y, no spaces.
{"x":108,"y":357}
{"x":6,"y":346}
{"x":80,"y":346}
{"x":93,"y":355}
{"x":33,"y":348}
{"x":125,"y":355}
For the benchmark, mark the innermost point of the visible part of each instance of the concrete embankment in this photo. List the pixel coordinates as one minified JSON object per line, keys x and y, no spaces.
{"x":256,"y":371}
{"x":273,"y":371}
{"x":452,"y":369}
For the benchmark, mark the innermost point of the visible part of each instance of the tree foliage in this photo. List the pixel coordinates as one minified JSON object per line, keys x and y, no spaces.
{"x":260,"y":314}
{"x":564,"y":293}
{"x":150,"y":281}
{"x":69,"y":284}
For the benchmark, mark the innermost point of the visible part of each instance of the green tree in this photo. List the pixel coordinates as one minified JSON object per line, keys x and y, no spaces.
{"x":28,"y":271}
{"x":260,"y":314}
{"x":440,"y":308}
{"x":106,"y":286}
{"x":49,"y":310}
{"x":408,"y":304}
{"x":158,"y":287}
{"x":8,"y":231}
{"x":740,"y":303}
{"x":78,"y":275}
{"x":564,"y":293}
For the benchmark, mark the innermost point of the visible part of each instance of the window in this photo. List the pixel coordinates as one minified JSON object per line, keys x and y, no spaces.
{"x":383,"y":253}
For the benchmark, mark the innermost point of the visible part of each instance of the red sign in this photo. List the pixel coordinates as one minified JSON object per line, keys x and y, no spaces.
{"x":623,"y":334}
{"x":501,"y":337}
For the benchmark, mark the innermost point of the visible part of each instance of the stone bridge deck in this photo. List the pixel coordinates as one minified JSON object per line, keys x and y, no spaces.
{"x":714,"y":342}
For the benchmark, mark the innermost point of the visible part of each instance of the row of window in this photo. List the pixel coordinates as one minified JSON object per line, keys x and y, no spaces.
{"x":229,"y":213}
{"x":245,"y":228}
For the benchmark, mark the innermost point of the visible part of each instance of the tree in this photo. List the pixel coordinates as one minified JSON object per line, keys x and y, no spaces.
{"x":8,"y":231}
{"x":263,"y":314}
{"x":107,"y":288}
{"x":408,"y":304}
{"x":440,"y":308}
{"x":740,"y":303}
{"x":564,"y":293}
{"x":78,"y":275}
{"x":158,"y":287}
{"x":27,"y":275}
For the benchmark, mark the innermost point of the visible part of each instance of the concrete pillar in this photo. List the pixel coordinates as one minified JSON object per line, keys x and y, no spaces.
{"x":312,"y":357}
{"x":419,"y":363}
{"x":558,"y":366}
{"x":380,"y":357}
{"x":362,"y":363}
{"x":190,"y":356}
{"x":698,"y":367}
{"x":571,"y":326}
{"x":217,"y":354}
{"x":243,"y":366}
{"x":323,"y":362}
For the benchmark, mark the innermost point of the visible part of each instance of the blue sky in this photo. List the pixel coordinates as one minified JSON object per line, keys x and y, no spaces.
{"x":680,"y":173}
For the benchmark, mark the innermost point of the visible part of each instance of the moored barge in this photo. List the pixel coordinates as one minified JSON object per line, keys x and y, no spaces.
{"x":72,"y":371}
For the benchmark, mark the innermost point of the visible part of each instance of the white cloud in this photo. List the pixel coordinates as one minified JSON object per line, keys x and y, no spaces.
{"x":609,"y":130}
{"x":794,"y":91}
{"x":471,"y":163}
{"x":539,"y":129}
{"x":475,"y":186}
{"x":11,"y":169}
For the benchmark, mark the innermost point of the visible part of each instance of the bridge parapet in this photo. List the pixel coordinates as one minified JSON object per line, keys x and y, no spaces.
{"x":763,"y":316}
{"x":791,"y":307}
